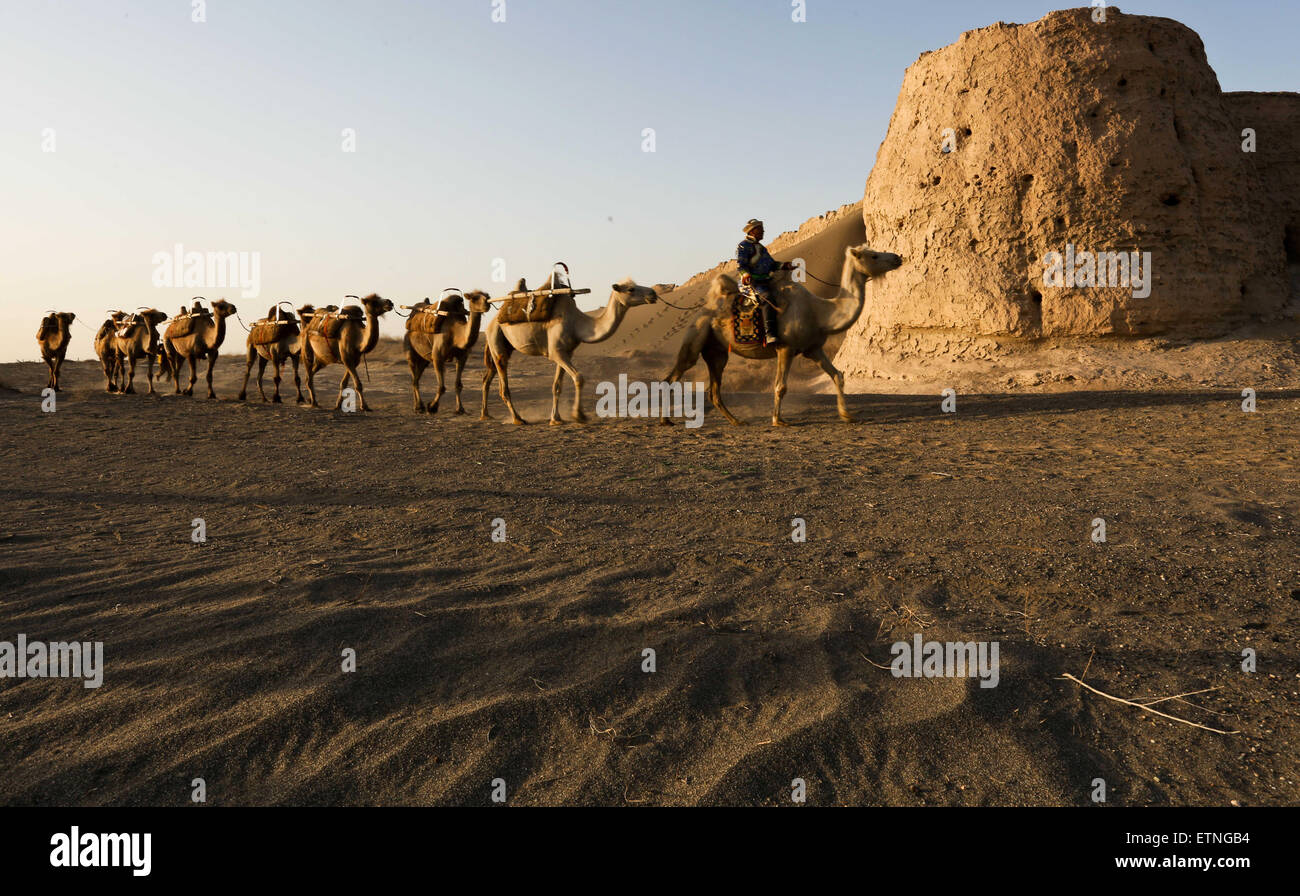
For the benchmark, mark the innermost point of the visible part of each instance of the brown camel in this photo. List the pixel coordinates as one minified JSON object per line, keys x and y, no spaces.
{"x":330,"y":337}
{"x":104,"y":348}
{"x":805,"y":323}
{"x":453,"y":342}
{"x":556,"y":339}
{"x":54,"y":335}
{"x":286,"y":345}
{"x":203,"y":340}
{"x":136,"y":337}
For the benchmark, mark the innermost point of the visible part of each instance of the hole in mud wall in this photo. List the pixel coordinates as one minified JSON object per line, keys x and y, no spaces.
{"x":1031,"y":316}
{"x":1292,"y":243}
{"x":1170,"y":199}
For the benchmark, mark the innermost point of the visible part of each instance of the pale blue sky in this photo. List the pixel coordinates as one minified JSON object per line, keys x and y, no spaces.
{"x":475,"y":140}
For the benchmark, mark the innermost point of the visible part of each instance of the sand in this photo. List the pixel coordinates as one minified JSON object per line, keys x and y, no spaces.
{"x":522,"y":660}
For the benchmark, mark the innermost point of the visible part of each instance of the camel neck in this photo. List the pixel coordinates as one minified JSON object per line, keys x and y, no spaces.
{"x":372,"y":332}
{"x":603,"y":325}
{"x":850,"y":299}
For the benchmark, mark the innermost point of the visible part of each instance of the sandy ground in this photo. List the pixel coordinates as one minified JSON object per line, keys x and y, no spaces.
{"x":523,"y":660}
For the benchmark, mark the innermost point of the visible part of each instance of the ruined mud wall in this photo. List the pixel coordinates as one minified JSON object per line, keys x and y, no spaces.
{"x":1071,"y":134}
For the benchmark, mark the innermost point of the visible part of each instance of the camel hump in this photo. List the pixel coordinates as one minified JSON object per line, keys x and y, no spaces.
{"x":723,"y":287}
{"x":181,"y":327}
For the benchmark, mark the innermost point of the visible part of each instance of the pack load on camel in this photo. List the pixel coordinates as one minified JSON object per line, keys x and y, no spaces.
{"x":530,"y":306}
{"x":183,"y":324}
{"x":432,"y":317}
{"x":330,"y":322}
{"x":278,"y":325}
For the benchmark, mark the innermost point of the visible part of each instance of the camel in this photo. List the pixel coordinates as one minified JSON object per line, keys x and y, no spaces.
{"x":287,"y":347}
{"x":805,"y":323}
{"x":136,"y":337}
{"x":351,"y":340}
{"x":556,"y":339}
{"x":203,"y":341}
{"x":454,"y":342}
{"x":54,"y":335}
{"x":104,"y":348}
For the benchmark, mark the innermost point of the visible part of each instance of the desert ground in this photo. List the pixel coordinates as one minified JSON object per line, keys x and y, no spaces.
{"x":480,"y":660}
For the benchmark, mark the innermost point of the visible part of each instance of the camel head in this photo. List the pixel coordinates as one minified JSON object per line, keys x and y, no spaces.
{"x":154,"y":317}
{"x":631,"y":295}
{"x":222,"y":308}
{"x":54,"y":321}
{"x":377,"y":306}
{"x":479,"y":301}
{"x":872,"y":264}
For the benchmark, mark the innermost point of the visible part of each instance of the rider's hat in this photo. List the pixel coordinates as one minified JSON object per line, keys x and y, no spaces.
{"x":752,"y":223}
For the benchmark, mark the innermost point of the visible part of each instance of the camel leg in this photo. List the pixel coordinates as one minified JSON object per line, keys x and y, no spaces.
{"x":297,"y":383}
{"x":261,"y":377}
{"x":557,"y":386}
{"x":248,"y":371}
{"x":342,"y":385}
{"x":309,"y":363}
{"x":502,"y":364}
{"x":108,"y":374}
{"x":212,"y":362}
{"x":489,"y":371}
{"x":58,"y":367}
{"x":715,"y":358}
{"x":351,"y":372}
{"x":151,"y":390}
{"x":442,"y":383}
{"x":565,"y":363}
{"x":278,"y":370}
{"x":819,"y":355}
{"x":130,"y":381}
{"x":783,"y":359}
{"x":698,"y":335}
{"x":416,"y":362}
{"x":194,"y":374}
{"x":460,"y":368}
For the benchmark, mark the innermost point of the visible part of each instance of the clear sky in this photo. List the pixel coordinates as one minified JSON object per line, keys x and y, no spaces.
{"x":475,"y":140}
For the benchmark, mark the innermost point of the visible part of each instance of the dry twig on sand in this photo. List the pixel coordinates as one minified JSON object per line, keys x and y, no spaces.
{"x":1146,"y":708}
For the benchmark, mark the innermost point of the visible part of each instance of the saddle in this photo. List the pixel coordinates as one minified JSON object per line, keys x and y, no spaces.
{"x":269,"y":330}
{"x":126,"y":324}
{"x":434,"y":317}
{"x":183,"y":324}
{"x":527,"y":309}
{"x":747,"y":320}
{"x":330,"y":323}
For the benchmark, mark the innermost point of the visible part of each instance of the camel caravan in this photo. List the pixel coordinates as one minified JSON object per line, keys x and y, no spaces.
{"x":770,"y":317}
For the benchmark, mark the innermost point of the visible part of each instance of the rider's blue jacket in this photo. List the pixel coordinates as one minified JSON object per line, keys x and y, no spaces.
{"x":754,"y":259}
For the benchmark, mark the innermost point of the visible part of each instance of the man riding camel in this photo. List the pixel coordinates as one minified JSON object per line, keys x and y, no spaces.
{"x":756,"y":268}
